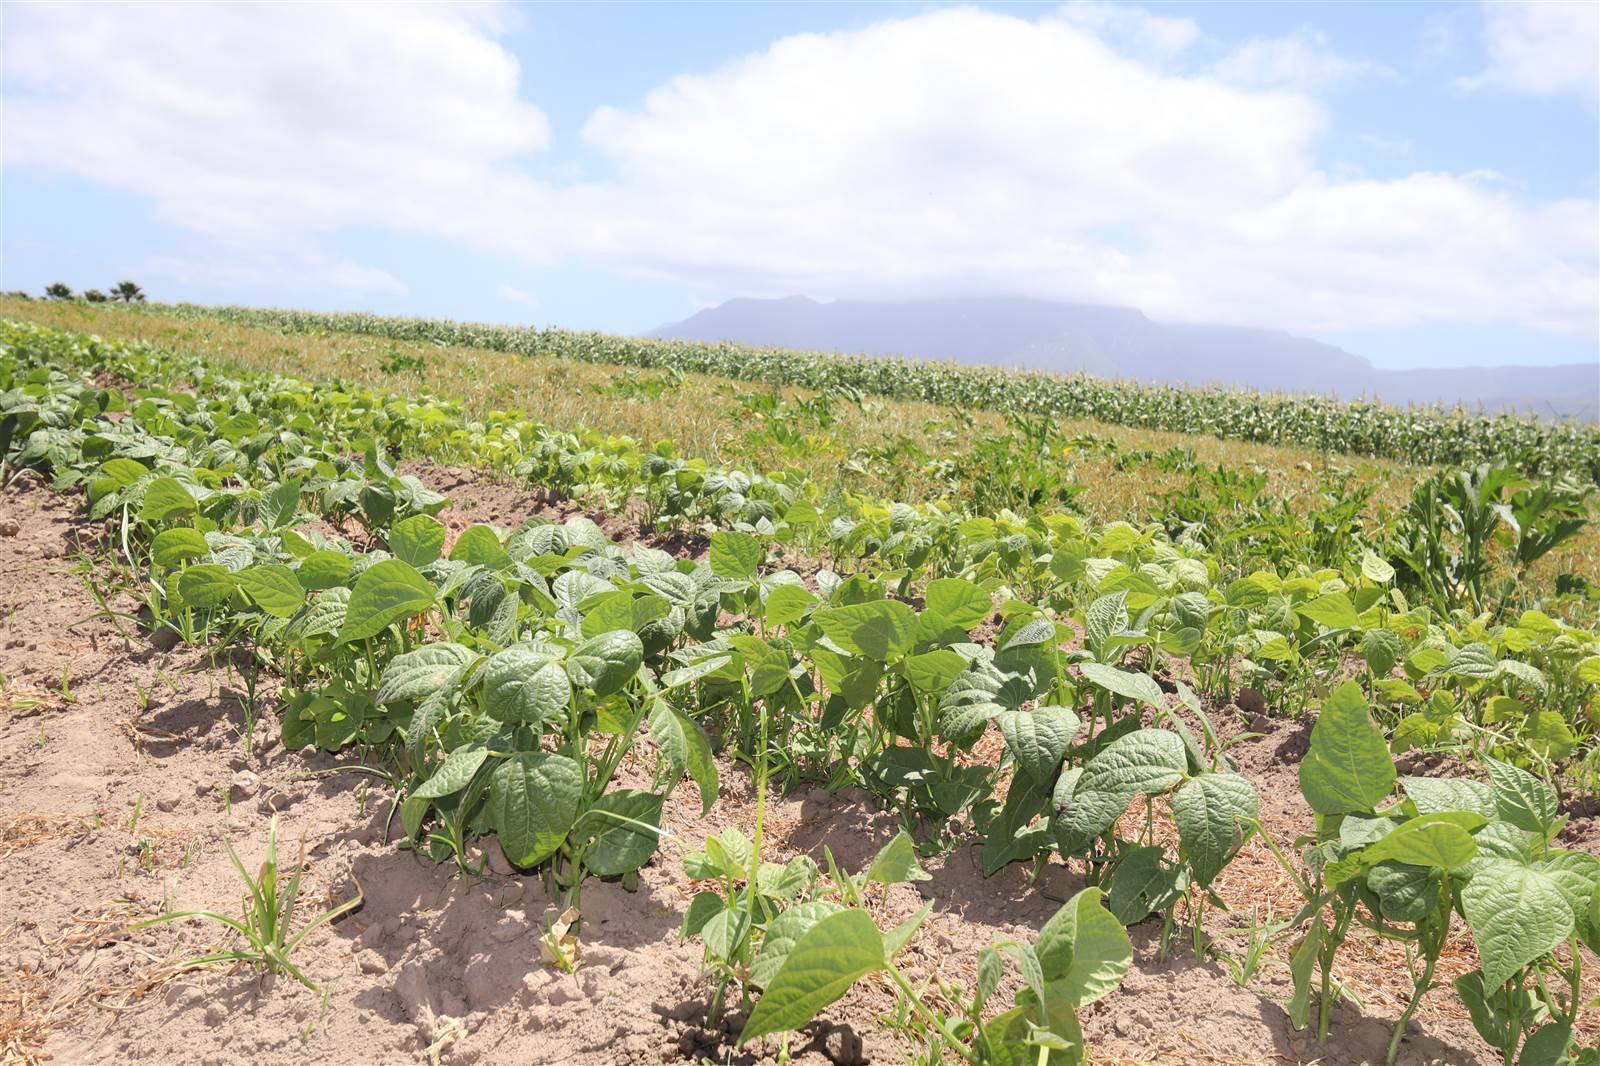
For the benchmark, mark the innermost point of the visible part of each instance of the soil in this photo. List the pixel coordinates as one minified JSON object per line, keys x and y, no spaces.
{"x":116,"y":797}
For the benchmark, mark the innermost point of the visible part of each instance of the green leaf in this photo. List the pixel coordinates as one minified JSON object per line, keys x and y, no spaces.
{"x":479,"y":545}
{"x":1141,"y":688}
{"x":1083,"y":949}
{"x":419,"y":673}
{"x":533,"y":803}
{"x":1375,"y":569}
{"x":606,"y":663}
{"x":273,"y":587}
{"x":386,"y":592}
{"x":957,"y":601}
{"x":453,"y":775}
{"x":1214,"y":813}
{"x":1146,"y":760}
{"x":620,"y":831}
{"x":883,"y":630}
{"x":165,"y":498}
{"x":1516,"y":914}
{"x":1434,"y":795}
{"x":1333,"y":610}
{"x":1520,"y":798}
{"x":173,"y":547}
{"x":687,"y":749}
{"x":933,"y":671}
{"x":1405,"y":893}
{"x":323,"y":569}
{"x":896,"y":863}
{"x":787,"y":604}
{"x":418,"y":540}
{"x":1547,"y":1046}
{"x":1039,"y":739}
{"x":1348,"y":769}
{"x":524,"y":685}
{"x":735,"y":555}
{"x":1426,"y":841}
{"x":1106,"y":617}
{"x":825,"y":961}
{"x":783,"y":933}
{"x":205,"y":585}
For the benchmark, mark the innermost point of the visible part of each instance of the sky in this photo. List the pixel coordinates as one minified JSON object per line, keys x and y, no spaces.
{"x":1416,"y":182}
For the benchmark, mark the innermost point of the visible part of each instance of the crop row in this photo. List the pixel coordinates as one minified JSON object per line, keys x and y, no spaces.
{"x":1431,"y":436}
{"x":504,"y":679}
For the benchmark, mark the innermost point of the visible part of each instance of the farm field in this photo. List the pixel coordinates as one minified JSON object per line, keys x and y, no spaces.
{"x":640,"y":714}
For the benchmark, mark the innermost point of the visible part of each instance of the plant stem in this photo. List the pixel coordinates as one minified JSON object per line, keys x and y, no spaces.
{"x":931,"y":1018}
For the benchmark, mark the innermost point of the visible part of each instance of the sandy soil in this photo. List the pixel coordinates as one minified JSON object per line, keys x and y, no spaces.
{"x":441,"y":967}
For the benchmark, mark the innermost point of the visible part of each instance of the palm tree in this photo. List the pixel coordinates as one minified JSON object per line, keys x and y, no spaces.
{"x":127,"y":292}
{"x":57,"y":290}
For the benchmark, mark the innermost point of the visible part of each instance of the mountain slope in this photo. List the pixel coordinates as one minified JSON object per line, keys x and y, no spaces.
{"x":1121,"y":342}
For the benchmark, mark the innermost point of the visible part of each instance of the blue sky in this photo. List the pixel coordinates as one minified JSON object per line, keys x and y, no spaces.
{"x":1416,"y":182}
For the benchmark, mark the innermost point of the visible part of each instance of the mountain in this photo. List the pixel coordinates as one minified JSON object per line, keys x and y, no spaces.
{"x":1122,"y":342}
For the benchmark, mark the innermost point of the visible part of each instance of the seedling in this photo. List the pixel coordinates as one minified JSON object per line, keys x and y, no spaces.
{"x":266,"y":925}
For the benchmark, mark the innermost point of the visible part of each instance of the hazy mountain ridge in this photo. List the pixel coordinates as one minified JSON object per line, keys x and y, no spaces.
{"x":1122,"y":342}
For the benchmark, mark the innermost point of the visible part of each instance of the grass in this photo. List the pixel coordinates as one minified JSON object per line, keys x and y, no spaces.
{"x":879,"y":447}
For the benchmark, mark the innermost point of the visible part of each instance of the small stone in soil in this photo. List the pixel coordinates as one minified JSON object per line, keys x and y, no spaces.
{"x":244,"y":786}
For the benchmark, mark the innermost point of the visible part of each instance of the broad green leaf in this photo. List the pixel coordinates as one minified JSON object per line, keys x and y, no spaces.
{"x":323,"y":569}
{"x":606,"y":663}
{"x":1375,"y":569}
{"x":687,"y":749}
{"x":1348,"y":769}
{"x":386,"y":592}
{"x":521,"y":684}
{"x":166,"y":498}
{"x":418,"y":540}
{"x":620,"y":831}
{"x":1141,"y":688}
{"x":533,"y":803}
{"x":1426,"y":841}
{"x":883,"y":630}
{"x":272,"y":587}
{"x":205,"y":585}
{"x":933,"y":671}
{"x":1039,"y":739}
{"x":419,"y":673}
{"x":1516,"y":914}
{"x":1520,"y":798}
{"x":1213,"y":813}
{"x":782,"y":934}
{"x":453,"y":775}
{"x":1333,"y":610}
{"x":957,"y":601}
{"x":1434,"y":795}
{"x":480,"y":545}
{"x":735,"y":555}
{"x":1405,"y":893}
{"x":1084,"y":948}
{"x":1142,"y":884}
{"x":896,"y":863}
{"x":787,"y":604}
{"x":1146,"y":760}
{"x":1106,"y":617}
{"x":173,"y":547}
{"x":825,"y":961}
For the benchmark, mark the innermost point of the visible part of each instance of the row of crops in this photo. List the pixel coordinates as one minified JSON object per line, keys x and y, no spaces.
{"x":1426,"y":436}
{"x":503,"y":681}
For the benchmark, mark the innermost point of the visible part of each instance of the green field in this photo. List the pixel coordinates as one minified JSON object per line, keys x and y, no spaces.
{"x":1023,"y":613}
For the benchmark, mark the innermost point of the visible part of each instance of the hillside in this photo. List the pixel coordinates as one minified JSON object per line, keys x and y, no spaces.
{"x":1122,"y":342}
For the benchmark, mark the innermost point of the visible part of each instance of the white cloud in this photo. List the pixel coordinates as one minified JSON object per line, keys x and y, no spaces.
{"x":1303,"y":60}
{"x":1541,"y":48}
{"x":953,"y":151}
{"x":1141,"y":32}
{"x":243,"y":120}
